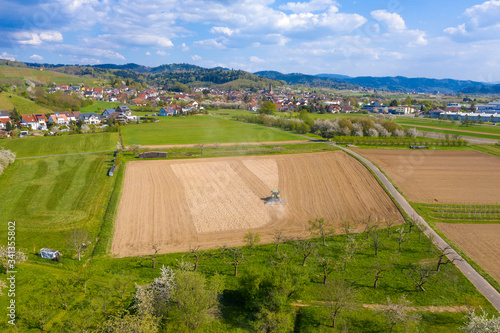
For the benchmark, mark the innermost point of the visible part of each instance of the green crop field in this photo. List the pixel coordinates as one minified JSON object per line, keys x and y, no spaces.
{"x":200,"y":129}
{"x":46,"y":197}
{"x":64,"y":144}
{"x":9,"y":101}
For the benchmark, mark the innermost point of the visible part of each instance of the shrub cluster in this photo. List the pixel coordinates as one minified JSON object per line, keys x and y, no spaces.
{"x":365,"y":126}
{"x":290,"y":124}
{"x":6,"y":158}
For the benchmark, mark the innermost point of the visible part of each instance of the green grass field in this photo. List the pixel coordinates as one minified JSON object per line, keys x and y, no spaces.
{"x":64,"y":144}
{"x":49,"y":196}
{"x":47,"y":76}
{"x":200,"y":129}
{"x":99,"y":106}
{"x":24,"y":106}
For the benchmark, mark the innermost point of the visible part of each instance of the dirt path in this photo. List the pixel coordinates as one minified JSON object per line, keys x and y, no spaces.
{"x":457,"y":308}
{"x":449,"y":129}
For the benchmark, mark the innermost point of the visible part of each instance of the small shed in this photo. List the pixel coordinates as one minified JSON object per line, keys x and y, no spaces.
{"x":50,"y":254}
{"x":153,"y":154}
{"x":112,"y":170}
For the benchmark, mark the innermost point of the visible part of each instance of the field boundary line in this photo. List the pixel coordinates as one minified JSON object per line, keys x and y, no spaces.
{"x":450,"y":129}
{"x":482,"y":285}
{"x":43,"y":156}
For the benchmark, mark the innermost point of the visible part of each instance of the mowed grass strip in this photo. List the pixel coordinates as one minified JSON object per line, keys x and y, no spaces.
{"x":65,"y":144}
{"x":50,"y":196}
{"x":200,"y":129}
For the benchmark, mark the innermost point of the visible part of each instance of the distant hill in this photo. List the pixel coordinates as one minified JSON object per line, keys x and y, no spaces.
{"x":172,"y":75}
{"x":398,"y":83}
{"x":312,"y":80}
{"x":485,"y":89}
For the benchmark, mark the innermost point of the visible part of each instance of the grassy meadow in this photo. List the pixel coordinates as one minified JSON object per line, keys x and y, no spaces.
{"x":64,"y":144}
{"x":47,"y":76}
{"x":47,"y":197}
{"x":200,"y":129}
{"x":9,"y":101}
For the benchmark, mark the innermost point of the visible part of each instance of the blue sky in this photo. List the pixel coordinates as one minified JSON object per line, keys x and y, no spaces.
{"x":440,"y":39}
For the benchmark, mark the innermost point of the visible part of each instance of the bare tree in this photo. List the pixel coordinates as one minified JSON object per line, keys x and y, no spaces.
{"x":420,"y":275}
{"x":397,"y":313}
{"x":443,"y":256}
{"x":279,"y":238}
{"x":134,"y":148}
{"x":348,"y":226}
{"x":369,"y":226}
{"x":223,"y":249}
{"x":321,"y":228}
{"x":201,"y":147}
{"x":389,"y":223}
{"x":377,"y":240}
{"x":412,"y":222}
{"x":251,"y":238}
{"x":78,"y":240}
{"x":328,"y":266}
{"x":197,"y":255}
{"x":339,"y":298}
{"x":305,"y":248}
{"x":237,"y":258}
{"x":401,"y":237}
{"x":156,"y":248}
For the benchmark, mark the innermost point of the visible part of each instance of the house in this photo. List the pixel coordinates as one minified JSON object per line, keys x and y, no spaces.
{"x":71,"y":115}
{"x":3,"y":122}
{"x":120,"y":117}
{"x":106,"y":113}
{"x":29,"y":120}
{"x":42,"y":121}
{"x":123,"y":109}
{"x":4,"y":114}
{"x":138,"y":102}
{"x":403,"y":109}
{"x":59,"y":119}
{"x":167,"y":111}
{"x":89,"y":118}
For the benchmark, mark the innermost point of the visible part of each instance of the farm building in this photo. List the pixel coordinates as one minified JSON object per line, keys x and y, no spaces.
{"x":112,"y":170}
{"x":50,"y":254}
{"x":153,"y":154}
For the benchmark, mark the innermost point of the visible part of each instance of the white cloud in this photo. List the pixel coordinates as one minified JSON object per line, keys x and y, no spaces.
{"x":148,"y":53}
{"x":7,"y":56}
{"x":393,"y":20}
{"x":35,"y":38}
{"x":223,"y":31}
{"x":210,"y":44}
{"x":184,"y":47}
{"x":483,"y":23}
{"x":85,"y":52}
{"x":36,"y":57}
{"x":196,"y":57}
{"x":256,"y":59}
{"x":162,"y":53}
{"x":308,"y":7}
{"x":88,"y":61}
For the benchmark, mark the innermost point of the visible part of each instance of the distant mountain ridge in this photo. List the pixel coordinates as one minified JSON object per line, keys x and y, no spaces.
{"x":396,"y":83}
{"x":193,"y":75}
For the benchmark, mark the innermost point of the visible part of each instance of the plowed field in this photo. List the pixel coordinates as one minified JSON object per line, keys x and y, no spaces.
{"x":481,"y":243}
{"x":445,"y":176}
{"x":207,"y":202}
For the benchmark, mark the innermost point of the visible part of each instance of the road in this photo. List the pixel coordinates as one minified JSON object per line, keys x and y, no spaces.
{"x":481,"y":284}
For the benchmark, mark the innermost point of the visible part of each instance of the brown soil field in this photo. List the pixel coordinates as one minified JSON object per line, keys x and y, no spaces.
{"x":481,"y":243}
{"x":445,"y":176}
{"x":207,"y":202}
